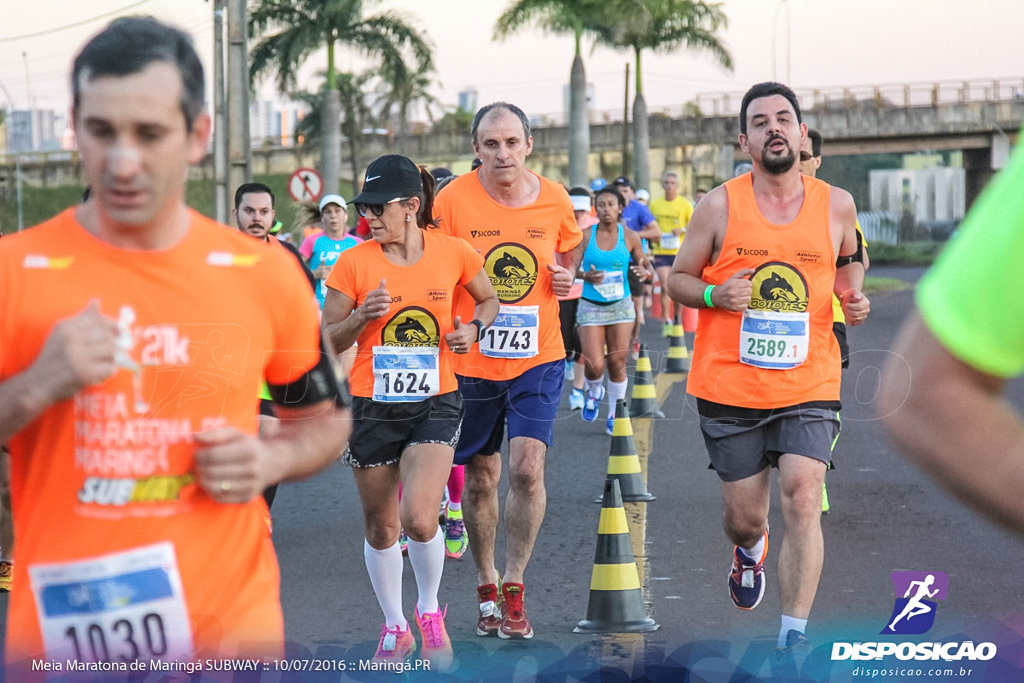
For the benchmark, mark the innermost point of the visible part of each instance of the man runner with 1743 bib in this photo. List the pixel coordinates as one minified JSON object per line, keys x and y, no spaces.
{"x":524,"y":227}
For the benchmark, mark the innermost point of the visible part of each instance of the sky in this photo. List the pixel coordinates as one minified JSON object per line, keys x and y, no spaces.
{"x":817,"y":44}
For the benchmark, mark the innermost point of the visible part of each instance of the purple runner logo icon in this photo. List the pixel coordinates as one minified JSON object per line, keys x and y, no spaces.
{"x":915,"y":605}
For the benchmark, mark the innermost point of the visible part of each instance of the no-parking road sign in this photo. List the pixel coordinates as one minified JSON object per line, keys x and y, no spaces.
{"x":305,"y":185}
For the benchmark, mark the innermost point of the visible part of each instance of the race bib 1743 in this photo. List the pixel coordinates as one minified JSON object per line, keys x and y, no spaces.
{"x":513,"y":334}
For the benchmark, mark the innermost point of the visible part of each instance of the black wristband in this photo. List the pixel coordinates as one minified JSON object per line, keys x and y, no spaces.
{"x":479,"y":327}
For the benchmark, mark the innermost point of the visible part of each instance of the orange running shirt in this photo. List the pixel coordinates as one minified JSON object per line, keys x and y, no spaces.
{"x":790,"y":313}
{"x":517,"y":246}
{"x":107,"y":511}
{"x":422,"y":299}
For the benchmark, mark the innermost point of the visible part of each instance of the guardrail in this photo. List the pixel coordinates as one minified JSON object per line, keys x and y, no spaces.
{"x":28,"y":158}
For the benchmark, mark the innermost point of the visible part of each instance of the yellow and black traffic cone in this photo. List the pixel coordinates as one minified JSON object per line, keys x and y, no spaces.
{"x":623,"y":462}
{"x":616,"y":602}
{"x":644,"y":401}
{"x":678,"y":357}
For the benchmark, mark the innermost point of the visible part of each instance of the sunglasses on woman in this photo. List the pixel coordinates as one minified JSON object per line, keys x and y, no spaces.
{"x":377,"y":209}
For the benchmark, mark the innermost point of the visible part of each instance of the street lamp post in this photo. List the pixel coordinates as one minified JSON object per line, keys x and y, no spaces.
{"x":775,"y":31}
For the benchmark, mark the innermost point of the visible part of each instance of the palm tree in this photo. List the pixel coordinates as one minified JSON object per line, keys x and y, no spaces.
{"x":356,"y":115}
{"x":563,"y":16}
{"x":662,"y":26}
{"x":292,"y":30}
{"x":402,"y":89}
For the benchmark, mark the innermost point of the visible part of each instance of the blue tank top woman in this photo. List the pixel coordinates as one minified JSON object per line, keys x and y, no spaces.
{"x":615,"y":264}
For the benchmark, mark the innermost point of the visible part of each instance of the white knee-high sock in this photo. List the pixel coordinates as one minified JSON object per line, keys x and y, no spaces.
{"x":592,"y":387}
{"x":616,"y":392}
{"x":385,"y":570}
{"x":427,"y":560}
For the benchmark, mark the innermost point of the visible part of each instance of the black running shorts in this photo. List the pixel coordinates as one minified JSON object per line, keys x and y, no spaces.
{"x":382,"y":431}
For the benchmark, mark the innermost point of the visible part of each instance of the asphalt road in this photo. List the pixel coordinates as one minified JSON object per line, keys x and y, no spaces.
{"x":885,"y":517}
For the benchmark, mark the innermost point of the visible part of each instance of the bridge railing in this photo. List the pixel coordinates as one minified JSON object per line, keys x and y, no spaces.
{"x":894,"y":95}
{"x":880,"y":227}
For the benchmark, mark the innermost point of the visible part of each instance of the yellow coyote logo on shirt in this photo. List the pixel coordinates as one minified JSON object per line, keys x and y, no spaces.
{"x":779,"y":286}
{"x":412,"y":326}
{"x":513,"y":271}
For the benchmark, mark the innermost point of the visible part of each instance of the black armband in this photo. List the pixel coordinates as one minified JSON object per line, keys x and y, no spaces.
{"x":855,"y":257}
{"x":344,"y":399}
{"x":318,"y":384}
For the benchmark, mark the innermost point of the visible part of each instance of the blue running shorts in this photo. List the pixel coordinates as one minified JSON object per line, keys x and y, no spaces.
{"x":528,"y":404}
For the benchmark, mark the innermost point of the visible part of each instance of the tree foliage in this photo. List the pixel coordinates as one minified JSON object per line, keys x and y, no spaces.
{"x":662,"y":26}
{"x":290,"y":32}
{"x":401,"y":88}
{"x":575,"y":17}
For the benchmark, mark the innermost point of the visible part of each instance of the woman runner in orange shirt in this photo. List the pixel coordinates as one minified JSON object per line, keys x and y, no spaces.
{"x":394,"y":295}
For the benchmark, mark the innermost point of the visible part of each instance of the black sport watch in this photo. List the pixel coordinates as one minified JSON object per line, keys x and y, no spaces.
{"x":479,"y":327}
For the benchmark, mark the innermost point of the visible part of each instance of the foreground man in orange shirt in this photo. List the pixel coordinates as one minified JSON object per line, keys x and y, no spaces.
{"x":763,"y":254}
{"x":134,"y":338}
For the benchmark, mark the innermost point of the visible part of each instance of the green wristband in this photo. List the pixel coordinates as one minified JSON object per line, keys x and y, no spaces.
{"x":707,"y":296}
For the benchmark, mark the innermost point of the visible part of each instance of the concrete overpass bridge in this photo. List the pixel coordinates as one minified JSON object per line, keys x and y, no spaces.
{"x":982,"y":118}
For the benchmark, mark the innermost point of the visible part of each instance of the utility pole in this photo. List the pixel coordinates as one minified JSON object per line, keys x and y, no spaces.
{"x":33,"y":128}
{"x":239,"y":152}
{"x":17,"y":181}
{"x":625,"y":127}
{"x":220,"y":138}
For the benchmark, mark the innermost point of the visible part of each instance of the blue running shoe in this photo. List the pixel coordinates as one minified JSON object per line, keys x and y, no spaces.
{"x":592,"y":406}
{"x":746,"y":578}
{"x":788,"y":661}
{"x":611,"y":425}
{"x":576,"y":399}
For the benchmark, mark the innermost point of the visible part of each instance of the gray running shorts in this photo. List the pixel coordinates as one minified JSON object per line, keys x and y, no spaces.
{"x":743,"y":441}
